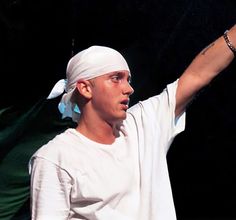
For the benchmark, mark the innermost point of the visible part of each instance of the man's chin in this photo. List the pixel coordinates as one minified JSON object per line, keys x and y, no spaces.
{"x":121,"y":118}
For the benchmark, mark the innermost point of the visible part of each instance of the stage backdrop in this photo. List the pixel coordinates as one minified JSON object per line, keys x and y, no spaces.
{"x":158,"y":39}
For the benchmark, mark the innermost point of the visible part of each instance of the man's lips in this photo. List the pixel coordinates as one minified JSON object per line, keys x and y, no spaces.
{"x":125,"y":103}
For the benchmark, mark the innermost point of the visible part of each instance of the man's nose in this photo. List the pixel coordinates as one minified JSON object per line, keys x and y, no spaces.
{"x":128,"y":89}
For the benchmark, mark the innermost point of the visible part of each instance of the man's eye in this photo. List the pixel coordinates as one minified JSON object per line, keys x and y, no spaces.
{"x":115,"y":78}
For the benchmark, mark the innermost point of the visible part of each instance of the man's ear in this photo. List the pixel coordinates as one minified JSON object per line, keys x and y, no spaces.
{"x":84,"y":88}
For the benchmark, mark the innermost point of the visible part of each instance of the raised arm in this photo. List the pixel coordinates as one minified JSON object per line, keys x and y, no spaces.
{"x":205,"y":66}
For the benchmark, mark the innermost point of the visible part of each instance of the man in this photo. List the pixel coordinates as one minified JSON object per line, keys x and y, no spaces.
{"x":113,"y":164}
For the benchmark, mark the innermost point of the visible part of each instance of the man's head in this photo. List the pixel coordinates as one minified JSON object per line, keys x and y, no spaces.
{"x":105,"y":97}
{"x":89,"y":64}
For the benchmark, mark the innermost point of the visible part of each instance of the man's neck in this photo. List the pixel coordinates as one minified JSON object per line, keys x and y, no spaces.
{"x":97,"y":130}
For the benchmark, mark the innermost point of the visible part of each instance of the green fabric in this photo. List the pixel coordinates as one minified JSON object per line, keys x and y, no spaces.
{"x":22,"y":132}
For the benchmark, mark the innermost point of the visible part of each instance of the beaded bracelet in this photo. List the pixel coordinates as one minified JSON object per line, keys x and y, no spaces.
{"x":229,"y":43}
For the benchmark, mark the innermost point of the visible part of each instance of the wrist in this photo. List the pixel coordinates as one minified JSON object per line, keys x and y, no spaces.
{"x":229,"y":39}
{"x":229,"y":42}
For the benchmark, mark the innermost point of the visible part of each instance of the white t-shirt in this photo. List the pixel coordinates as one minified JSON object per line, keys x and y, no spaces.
{"x":73,"y":177}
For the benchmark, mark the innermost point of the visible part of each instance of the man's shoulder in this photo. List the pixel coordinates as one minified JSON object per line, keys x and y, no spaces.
{"x":55,"y":145}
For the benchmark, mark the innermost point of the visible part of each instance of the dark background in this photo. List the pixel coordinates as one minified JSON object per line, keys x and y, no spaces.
{"x":158,"y":39}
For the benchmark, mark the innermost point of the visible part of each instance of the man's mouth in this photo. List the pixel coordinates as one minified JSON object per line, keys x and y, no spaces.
{"x":125,"y":103}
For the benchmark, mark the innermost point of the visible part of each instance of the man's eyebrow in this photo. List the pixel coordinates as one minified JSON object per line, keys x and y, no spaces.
{"x":116,"y":73}
{"x":120,"y":73}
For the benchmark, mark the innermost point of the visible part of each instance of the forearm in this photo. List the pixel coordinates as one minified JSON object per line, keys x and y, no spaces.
{"x":205,"y":66}
{"x":213,"y":59}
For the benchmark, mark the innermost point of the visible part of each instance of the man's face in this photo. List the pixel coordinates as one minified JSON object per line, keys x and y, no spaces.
{"x":110,"y":95}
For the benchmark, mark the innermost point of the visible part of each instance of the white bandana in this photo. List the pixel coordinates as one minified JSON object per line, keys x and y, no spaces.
{"x":87,"y":64}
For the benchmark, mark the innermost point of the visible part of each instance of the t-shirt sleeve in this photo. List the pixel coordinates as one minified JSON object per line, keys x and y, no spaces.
{"x":155,"y":117}
{"x":50,"y":190}
{"x":177,"y":124}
